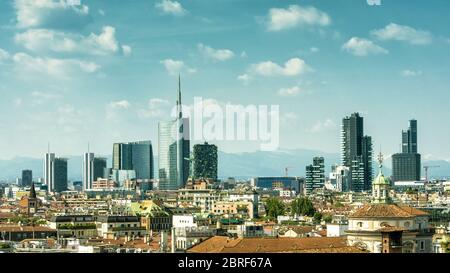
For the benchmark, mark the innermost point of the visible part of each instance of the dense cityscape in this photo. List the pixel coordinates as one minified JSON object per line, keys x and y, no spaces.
{"x":186,"y":208}
{"x":252,"y":127}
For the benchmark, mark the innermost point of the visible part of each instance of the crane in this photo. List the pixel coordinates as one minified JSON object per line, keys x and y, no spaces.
{"x":426,"y":167}
{"x":286,"y":170}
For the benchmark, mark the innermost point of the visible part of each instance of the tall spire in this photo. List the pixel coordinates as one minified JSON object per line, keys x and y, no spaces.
{"x":32,"y":191}
{"x":180,"y":111}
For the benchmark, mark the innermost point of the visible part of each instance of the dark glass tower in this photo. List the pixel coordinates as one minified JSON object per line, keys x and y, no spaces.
{"x":137,"y":156}
{"x":406,"y":166}
{"x":356,"y":152}
{"x":27,"y":178}
{"x":60,"y":174}
{"x":205,"y":161}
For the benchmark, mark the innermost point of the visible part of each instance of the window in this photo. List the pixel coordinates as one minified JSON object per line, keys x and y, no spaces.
{"x":359,"y":224}
{"x":407,"y":224}
{"x":422,"y":245}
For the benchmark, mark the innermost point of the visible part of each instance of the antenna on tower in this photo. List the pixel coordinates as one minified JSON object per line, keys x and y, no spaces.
{"x":89,"y":150}
{"x":48,"y":147}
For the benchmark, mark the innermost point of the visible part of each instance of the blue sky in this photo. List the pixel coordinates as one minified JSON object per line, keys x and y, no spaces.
{"x":105,"y":71}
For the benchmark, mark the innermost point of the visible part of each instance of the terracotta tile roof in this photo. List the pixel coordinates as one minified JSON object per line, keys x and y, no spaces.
{"x":222,"y":244}
{"x":414,"y":211}
{"x":383,"y":211}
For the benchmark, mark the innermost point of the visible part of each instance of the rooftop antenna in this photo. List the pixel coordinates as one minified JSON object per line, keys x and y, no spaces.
{"x":48,"y":147}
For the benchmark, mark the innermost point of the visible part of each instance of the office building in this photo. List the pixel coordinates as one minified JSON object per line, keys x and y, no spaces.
{"x":137,"y":156}
{"x":409,"y":138}
{"x":340,"y":178}
{"x":285,"y":182}
{"x":59,"y":166}
{"x":356,"y":152}
{"x":48,"y":170}
{"x":315,"y":175}
{"x":93,"y":169}
{"x":406,"y":166}
{"x":174,"y":150}
{"x":205,"y":161}
{"x":27,"y":178}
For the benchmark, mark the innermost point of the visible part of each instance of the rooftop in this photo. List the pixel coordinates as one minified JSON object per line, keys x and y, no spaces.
{"x":223,"y":244}
{"x":386,"y":211}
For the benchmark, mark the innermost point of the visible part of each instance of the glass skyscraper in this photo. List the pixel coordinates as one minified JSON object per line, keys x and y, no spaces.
{"x":137,"y":156}
{"x":406,"y":166}
{"x":174,"y":150}
{"x":93,"y":169}
{"x":356,"y":152}
{"x":59,"y":166}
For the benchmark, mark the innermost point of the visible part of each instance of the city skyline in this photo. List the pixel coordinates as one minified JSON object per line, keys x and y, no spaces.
{"x":118,"y":79}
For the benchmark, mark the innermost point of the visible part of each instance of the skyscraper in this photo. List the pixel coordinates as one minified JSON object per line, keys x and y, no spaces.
{"x":409,"y":138}
{"x":356,"y":152}
{"x":406,"y":166}
{"x":48,"y":170}
{"x":205,"y":161}
{"x":174,"y":150}
{"x":315,"y":175}
{"x":27,"y":178}
{"x":137,"y":156}
{"x":55,"y":172}
{"x":93,"y":168}
{"x":59,"y":166}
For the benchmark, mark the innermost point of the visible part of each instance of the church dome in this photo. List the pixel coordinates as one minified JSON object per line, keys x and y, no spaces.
{"x":381,"y":180}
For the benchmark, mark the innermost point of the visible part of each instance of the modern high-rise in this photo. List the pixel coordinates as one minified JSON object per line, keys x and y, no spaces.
{"x":27,"y":178}
{"x":55,"y":173}
{"x":59,"y":166}
{"x":356,"y":152}
{"x":409,"y":138}
{"x":406,"y":166}
{"x":137,"y":156}
{"x":48,"y":170}
{"x":93,"y":169}
{"x":315,"y":175}
{"x":174,"y":150}
{"x":205,"y":161}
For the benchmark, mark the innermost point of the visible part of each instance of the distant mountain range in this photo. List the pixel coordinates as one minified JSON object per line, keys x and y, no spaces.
{"x":242,"y":165}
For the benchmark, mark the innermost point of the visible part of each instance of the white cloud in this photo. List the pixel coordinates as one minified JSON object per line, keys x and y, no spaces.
{"x":126,"y":50}
{"x":244,"y":54}
{"x":50,"y":13}
{"x":156,"y":108}
{"x":121,"y":104}
{"x":314,"y":49}
{"x":101,"y":12}
{"x":292,"y":67}
{"x":215,"y":54}
{"x":289,"y":92}
{"x":294,"y":16}
{"x":4,"y":55}
{"x":39,"y":40}
{"x":411,"y":73}
{"x":403,"y":33}
{"x":53,"y":67}
{"x":175,"y":67}
{"x":171,"y":7}
{"x":362,"y":47}
{"x":245,"y":78}
{"x":322,"y":126}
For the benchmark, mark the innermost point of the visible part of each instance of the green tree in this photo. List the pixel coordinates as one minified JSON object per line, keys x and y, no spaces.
{"x":317,"y":217}
{"x":274,"y":207}
{"x":328,"y":218}
{"x":302,"y":206}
